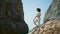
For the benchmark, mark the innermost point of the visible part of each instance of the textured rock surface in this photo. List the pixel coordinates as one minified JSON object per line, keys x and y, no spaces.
{"x":53,"y":13}
{"x":51,"y":27}
{"x":12,"y":17}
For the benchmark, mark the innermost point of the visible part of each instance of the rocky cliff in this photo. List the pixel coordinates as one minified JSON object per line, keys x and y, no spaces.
{"x":53,"y":13}
{"x":12,"y":17}
{"x":51,"y":24}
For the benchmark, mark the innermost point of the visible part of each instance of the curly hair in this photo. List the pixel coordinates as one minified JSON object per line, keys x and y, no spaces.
{"x":38,"y":9}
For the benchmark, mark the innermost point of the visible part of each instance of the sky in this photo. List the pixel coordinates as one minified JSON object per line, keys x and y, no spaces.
{"x":29,"y":7}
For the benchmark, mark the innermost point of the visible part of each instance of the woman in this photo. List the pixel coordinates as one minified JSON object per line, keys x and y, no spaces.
{"x":37,"y":17}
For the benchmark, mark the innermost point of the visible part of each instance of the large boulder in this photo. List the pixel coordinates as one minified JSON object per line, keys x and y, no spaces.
{"x":50,"y":27}
{"x":12,"y":17}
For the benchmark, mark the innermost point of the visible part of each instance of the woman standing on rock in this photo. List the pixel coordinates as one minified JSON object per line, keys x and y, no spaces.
{"x":36,"y":20}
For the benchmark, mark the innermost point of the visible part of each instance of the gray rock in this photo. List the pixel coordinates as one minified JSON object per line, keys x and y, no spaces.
{"x":53,"y":13}
{"x":12,"y":17}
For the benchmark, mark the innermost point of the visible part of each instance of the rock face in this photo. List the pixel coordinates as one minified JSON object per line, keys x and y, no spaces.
{"x":51,"y":24}
{"x":53,"y":13}
{"x":12,"y":17}
{"x":51,"y":27}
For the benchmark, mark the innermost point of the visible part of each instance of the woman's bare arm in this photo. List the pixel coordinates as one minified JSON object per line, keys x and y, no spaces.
{"x":34,"y":18}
